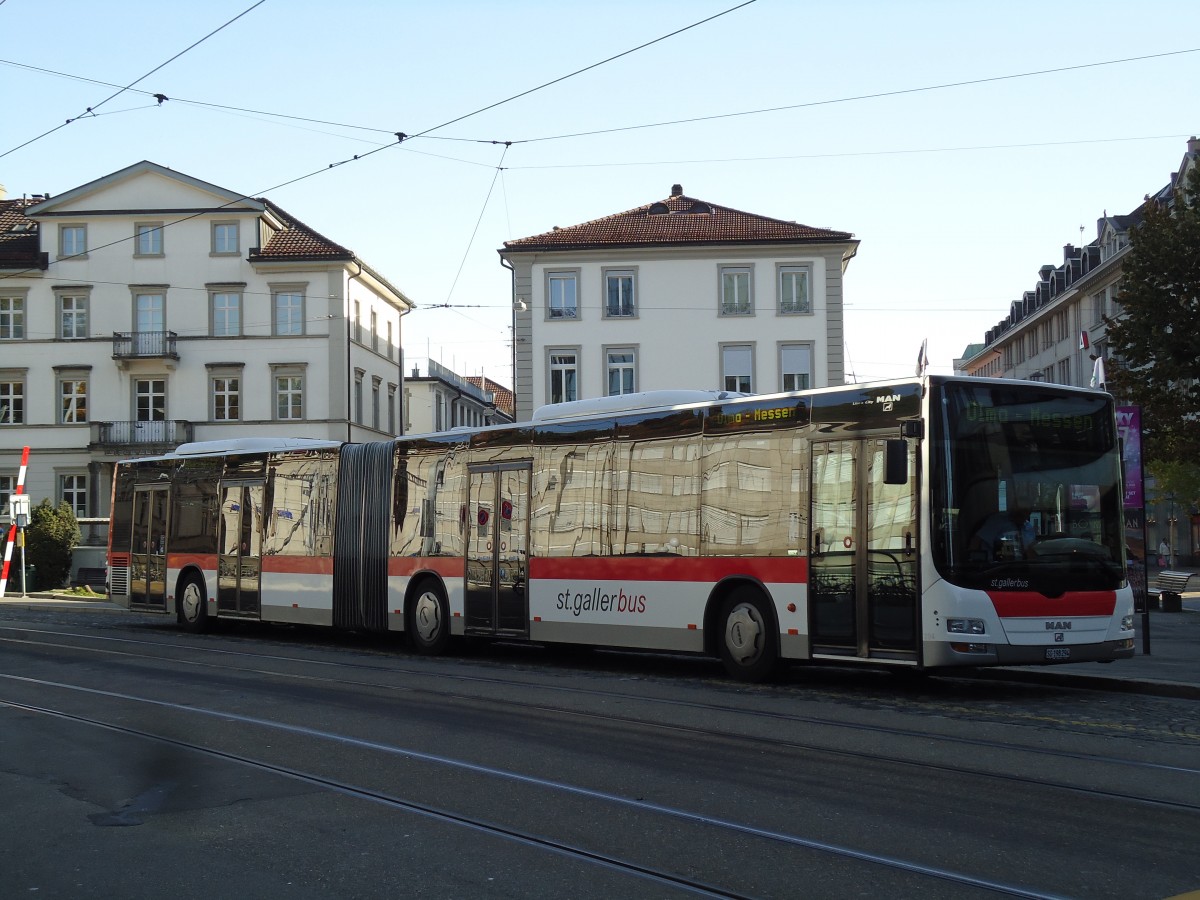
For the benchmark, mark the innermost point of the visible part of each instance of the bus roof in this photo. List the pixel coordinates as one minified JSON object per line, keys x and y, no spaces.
{"x":231,"y":446}
{"x":600,"y":406}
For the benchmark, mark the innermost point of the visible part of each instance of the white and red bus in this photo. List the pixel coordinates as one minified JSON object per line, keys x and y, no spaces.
{"x":923,"y":523}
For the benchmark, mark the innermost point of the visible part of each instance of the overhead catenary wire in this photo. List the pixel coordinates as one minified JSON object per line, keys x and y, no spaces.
{"x":91,"y":110}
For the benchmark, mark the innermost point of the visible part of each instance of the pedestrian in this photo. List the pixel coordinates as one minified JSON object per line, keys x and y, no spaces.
{"x":1164,"y":553}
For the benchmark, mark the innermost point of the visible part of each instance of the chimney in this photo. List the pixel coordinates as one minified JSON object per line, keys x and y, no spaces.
{"x":1193,"y":145}
{"x":677,"y":190}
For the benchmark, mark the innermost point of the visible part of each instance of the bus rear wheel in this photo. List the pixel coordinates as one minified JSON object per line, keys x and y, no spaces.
{"x":429,"y":619}
{"x":749,"y":648}
{"x":193,"y":604}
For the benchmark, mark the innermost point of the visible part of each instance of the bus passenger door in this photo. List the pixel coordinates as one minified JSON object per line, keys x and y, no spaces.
{"x":497,"y":560}
{"x":148,"y":555}
{"x":239,"y":566}
{"x":833,"y":548}
{"x":863,"y":559}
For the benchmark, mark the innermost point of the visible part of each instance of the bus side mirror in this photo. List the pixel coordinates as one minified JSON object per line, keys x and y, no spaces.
{"x":895,"y":469}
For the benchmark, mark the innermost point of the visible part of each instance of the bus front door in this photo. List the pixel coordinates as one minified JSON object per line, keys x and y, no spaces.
{"x":497,"y":561}
{"x":148,"y":556}
{"x":239,"y":566}
{"x":863,"y":598}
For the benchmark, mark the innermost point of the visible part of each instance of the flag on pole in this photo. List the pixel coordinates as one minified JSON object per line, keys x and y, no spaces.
{"x":923,"y":358}
{"x":1098,"y":377}
{"x":1084,"y":343}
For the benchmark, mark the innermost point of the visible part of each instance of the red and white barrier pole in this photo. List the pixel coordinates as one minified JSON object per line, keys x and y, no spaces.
{"x":12,"y":529}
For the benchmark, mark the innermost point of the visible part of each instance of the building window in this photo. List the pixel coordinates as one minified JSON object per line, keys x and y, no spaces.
{"x":289,"y":396}
{"x":72,"y":240}
{"x":564,"y":376}
{"x":737,"y":367}
{"x":391,"y":342}
{"x":562,"y":295}
{"x":795,"y":367}
{"x":374,"y":331}
{"x":72,"y":317}
{"x":227,"y":398}
{"x":225,"y":241}
{"x":736,"y":298}
{"x":12,"y":318}
{"x":226,"y":313}
{"x":358,"y":395}
{"x":148,"y":240}
{"x":150,"y":399}
{"x":391,"y":408}
{"x":376,"y":383}
{"x":619,"y":293}
{"x":289,"y":312}
{"x":12,"y":400}
{"x":73,"y":400}
{"x":793,"y":290}
{"x":73,"y":491}
{"x":150,"y":313}
{"x":357,"y":322}
{"x":622,"y":370}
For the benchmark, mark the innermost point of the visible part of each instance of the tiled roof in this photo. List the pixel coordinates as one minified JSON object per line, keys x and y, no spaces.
{"x":679,"y":219}
{"x":297,"y":241}
{"x":503,"y":396}
{"x":18,"y":236}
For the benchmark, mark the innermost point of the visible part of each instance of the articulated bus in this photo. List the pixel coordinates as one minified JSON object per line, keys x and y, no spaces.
{"x":924,"y":523}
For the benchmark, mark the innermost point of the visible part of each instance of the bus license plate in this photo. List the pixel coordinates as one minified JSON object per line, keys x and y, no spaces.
{"x":1058,"y":653}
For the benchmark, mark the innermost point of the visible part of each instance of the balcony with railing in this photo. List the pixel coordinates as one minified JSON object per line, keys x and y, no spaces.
{"x":145,"y":345}
{"x":140,"y":438}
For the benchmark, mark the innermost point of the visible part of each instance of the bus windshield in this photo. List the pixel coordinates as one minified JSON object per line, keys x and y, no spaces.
{"x":1026,"y":489}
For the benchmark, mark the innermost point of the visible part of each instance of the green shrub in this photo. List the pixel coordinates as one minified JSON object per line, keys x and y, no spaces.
{"x":51,"y":535}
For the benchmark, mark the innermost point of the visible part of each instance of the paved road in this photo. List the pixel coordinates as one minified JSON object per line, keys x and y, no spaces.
{"x":137,"y":760}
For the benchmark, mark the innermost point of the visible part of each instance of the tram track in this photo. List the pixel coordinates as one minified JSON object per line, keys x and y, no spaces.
{"x":543,"y":842}
{"x":753,"y":741}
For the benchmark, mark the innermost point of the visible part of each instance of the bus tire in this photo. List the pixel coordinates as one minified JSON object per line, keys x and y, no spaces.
{"x":429,"y":619}
{"x":749,"y":648}
{"x":193,"y":603}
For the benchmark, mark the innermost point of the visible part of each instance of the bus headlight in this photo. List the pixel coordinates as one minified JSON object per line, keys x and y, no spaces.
{"x":966,"y":626}
{"x":1127,"y":623}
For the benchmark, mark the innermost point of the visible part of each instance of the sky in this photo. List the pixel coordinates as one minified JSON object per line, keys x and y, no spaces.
{"x":964,"y":144}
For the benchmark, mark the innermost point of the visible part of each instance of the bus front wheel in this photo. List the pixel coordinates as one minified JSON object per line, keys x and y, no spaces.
{"x":429,"y":619}
{"x":749,"y":648}
{"x":193,"y":604}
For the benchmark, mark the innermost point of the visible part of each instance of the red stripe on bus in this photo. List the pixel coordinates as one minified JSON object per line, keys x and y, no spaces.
{"x":298,"y":565}
{"x":1031,"y":605}
{"x":446,"y":566}
{"x":204,"y":561}
{"x":768,"y":569}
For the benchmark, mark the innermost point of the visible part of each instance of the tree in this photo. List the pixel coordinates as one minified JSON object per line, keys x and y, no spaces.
{"x":1155,"y":342}
{"x":1178,"y":481}
{"x":52,"y":534}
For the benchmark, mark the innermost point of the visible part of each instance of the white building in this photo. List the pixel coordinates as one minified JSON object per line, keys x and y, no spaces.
{"x":149,"y":308}
{"x":679,"y":293}
{"x":439,"y":399}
